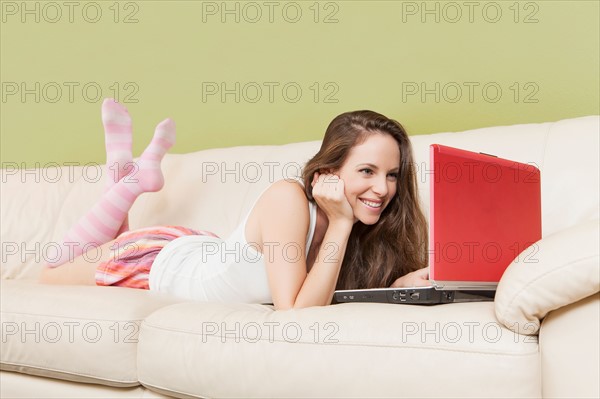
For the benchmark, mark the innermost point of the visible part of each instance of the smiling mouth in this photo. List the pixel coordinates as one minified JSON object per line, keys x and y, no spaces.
{"x":371,"y":204}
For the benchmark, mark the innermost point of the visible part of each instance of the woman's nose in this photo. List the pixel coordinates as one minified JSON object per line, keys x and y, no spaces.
{"x":381,"y":186}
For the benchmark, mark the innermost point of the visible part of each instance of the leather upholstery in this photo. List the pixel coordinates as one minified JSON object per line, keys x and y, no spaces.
{"x":170,"y":347}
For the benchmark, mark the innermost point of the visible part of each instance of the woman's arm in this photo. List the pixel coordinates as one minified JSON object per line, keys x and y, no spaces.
{"x":284,"y":227}
{"x":319,"y":285}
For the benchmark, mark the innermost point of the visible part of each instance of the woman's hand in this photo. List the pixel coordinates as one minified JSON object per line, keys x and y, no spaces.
{"x":418,"y":278}
{"x":328,"y":191}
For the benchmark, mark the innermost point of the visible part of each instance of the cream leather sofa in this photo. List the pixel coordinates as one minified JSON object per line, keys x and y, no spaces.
{"x":538,"y":339}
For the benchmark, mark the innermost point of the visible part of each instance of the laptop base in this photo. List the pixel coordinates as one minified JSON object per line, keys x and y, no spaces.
{"x":413,"y":295}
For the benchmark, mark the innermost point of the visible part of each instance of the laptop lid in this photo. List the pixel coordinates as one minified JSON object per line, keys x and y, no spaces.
{"x":485,"y":212}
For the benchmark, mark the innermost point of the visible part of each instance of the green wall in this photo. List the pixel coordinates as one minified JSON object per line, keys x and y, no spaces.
{"x":434,"y":66}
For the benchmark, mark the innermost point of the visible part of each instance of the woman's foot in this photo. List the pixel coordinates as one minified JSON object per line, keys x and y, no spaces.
{"x":149,"y":174}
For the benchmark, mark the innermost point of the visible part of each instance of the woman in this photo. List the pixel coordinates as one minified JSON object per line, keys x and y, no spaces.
{"x":353,"y":218}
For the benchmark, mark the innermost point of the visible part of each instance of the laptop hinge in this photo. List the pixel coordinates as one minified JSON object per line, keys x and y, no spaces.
{"x":465,"y":285}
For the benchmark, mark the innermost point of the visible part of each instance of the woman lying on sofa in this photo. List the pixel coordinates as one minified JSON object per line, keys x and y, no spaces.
{"x":356,"y":201}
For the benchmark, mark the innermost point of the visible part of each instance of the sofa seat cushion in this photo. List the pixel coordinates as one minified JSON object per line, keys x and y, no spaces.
{"x":24,"y":386}
{"x":76,"y":333}
{"x":345,"y":350}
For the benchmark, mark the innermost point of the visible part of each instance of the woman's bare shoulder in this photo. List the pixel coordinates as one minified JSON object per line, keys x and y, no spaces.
{"x":281,"y":213}
{"x":285,"y":201}
{"x":286,"y":190}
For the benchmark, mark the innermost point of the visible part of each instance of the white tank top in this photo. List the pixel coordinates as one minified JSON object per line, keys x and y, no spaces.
{"x":204,"y":268}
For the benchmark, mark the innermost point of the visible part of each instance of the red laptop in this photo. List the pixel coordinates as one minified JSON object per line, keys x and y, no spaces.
{"x":485,"y":212}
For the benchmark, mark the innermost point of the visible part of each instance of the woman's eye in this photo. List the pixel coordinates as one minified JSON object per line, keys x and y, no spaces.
{"x":368,"y":171}
{"x":393,"y":175}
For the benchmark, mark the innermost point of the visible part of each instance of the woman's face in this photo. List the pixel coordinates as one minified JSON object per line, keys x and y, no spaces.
{"x":370,"y":176}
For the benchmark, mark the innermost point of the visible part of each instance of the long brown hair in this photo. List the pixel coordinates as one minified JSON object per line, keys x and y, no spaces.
{"x":376,"y":255}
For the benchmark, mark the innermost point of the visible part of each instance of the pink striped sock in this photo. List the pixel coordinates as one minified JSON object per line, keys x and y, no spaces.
{"x":117,"y":137}
{"x":101,"y":224}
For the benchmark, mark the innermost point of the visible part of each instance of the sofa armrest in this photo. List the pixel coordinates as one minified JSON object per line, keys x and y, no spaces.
{"x":570,"y":350}
{"x":558,"y":270}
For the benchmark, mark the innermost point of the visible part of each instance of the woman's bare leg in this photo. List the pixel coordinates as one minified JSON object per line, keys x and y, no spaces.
{"x":80,"y":271}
